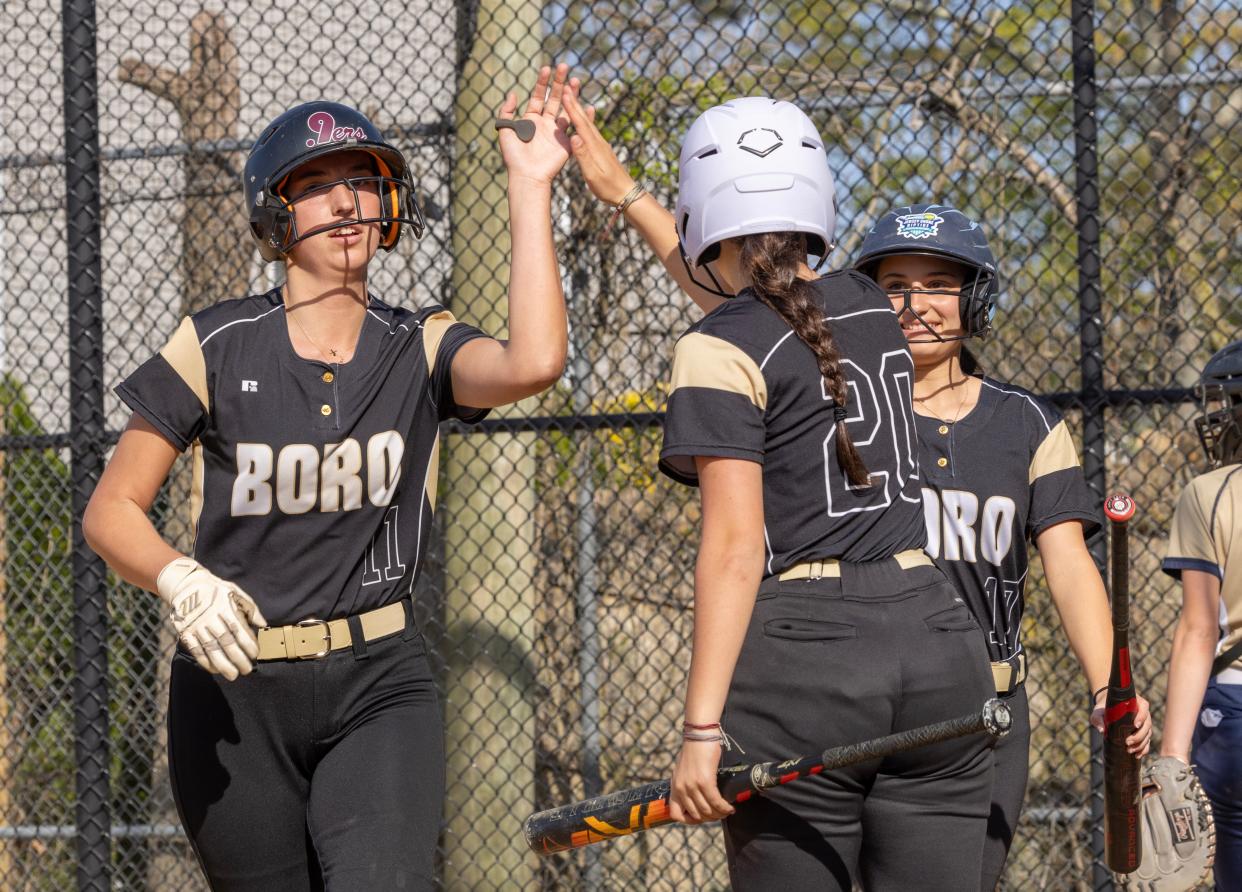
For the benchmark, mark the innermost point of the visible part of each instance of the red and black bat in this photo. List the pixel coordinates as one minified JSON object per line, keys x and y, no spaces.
{"x":641,"y":808}
{"x":1123,"y":844}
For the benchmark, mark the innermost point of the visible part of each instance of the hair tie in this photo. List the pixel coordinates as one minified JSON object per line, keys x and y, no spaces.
{"x":839,"y":413}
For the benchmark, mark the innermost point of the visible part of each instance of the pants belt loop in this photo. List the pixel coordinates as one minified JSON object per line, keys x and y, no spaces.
{"x":411,"y":628}
{"x":356,"y":639}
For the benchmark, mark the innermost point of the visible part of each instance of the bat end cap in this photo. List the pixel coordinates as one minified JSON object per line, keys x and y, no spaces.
{"x":1119,"y":507}
{"x":997,"y":719}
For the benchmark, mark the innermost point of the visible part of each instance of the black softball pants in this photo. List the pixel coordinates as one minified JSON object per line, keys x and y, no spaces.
{"x":834,"y":661}
{"x":1010,"y":767}
{"x":311,"y":775}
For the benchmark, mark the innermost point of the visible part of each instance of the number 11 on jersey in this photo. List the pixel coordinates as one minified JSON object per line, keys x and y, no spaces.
{"x":383,"y":558}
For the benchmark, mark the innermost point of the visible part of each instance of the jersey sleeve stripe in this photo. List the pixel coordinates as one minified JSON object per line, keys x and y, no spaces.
{"x":185,"y":355}
{"x":434,"y":329}
{"x":381,"y":321}
{"x":775,"y":347}
{"x":1055,"y":453}
{"x":1175,"y":565}
{"x":203,"y":342}
{"x":704,"y":361}
{"x":1034,"y":403}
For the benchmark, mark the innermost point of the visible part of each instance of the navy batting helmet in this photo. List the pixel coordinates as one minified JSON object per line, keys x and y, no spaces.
{"x":1220,"y":399}
{"x":941,"y":231}
{"x":311,"y":131}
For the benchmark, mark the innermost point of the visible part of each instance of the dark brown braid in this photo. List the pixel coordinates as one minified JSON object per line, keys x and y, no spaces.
{"x":771,"y":259}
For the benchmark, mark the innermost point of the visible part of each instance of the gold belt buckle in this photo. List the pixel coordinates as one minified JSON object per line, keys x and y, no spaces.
{"x":327,"y":638}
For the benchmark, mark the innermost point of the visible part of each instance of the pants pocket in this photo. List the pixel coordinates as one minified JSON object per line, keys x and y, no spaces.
{"x":796,"y":628}
{"x":957,"y":618}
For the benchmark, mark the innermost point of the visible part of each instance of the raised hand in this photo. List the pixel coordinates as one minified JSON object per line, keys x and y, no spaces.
{"x":604,"y":173}
{"x":542,"y":158}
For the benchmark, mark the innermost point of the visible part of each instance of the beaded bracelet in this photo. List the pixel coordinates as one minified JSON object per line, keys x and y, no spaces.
{"x":621,"y":207}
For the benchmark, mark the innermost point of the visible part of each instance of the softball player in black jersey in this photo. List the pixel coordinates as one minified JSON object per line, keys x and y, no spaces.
{"x":305,"y":741}
{"x":819,"y":620}
{"x":998,"y":468}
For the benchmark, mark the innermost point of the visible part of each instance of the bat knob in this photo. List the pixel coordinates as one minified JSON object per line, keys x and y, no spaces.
{"x":997,"y":719}
{"x":1119,"y":507}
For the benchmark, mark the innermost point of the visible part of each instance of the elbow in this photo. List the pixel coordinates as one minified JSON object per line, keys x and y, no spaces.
{"x":92,"y":526}
{"x":1198,"y":633}
{"x":543,"y":372}
{"x":736,"y":557}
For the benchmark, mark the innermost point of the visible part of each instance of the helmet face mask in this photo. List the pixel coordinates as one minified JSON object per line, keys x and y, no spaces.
{"x":937,"y":230}
{"x":979,"y":281}
{"x":314,"y":130}
{"x":1219,"y":424}
{"x":394,"y":197}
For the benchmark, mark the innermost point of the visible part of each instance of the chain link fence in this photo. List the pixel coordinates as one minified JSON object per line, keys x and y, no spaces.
{"x":1099,"y":146}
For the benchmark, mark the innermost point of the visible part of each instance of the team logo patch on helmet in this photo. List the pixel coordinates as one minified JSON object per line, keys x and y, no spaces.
{"x":925,"y":225}
{"x":323,"y":125}
{"x":761,"y":141}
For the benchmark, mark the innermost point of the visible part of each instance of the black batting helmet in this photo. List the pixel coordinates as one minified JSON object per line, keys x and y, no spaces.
{"x":1220,"y":400}
{"x":940,"y":231}
{"x":313,"y":130}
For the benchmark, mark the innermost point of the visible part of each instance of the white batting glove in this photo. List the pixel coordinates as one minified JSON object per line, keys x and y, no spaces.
{"x":213,"y":618}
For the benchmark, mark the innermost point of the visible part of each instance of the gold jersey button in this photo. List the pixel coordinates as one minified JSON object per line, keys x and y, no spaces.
{"x":325,"y":409}
{"x":944,"y":428}
{"x":942,"y":462}
{"x":328,"y":377}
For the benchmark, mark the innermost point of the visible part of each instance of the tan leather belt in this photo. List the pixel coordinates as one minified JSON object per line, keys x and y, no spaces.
{"x":831,"y":568}
{"x":1008,"y":674}
{"x":314,"y":638}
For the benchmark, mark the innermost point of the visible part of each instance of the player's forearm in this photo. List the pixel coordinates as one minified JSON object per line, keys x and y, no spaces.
{"x":724,"y":596}
{"x":1082,"y":603}
{"x":119,"y":531}
{"x":538,"y":332}
{"x":1190,"y":667}
{"x":659,"y":230}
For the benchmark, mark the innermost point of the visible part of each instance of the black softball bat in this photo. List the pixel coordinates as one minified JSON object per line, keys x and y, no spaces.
{"x":641,"y":808}
{"x":1123,"y":840}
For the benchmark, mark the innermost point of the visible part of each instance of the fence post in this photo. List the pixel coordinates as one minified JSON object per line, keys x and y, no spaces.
{"x":1087,"y":198}
{"x":87,"y":430}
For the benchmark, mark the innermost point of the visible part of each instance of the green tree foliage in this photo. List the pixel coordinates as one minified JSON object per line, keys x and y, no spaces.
{"x":38,"y":593}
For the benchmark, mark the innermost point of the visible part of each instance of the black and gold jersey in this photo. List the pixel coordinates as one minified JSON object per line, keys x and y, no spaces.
{"x":992,"y":481}
{"x":744,"y":386}
{"x":1206,"y":535}
{"x":313,"y":484}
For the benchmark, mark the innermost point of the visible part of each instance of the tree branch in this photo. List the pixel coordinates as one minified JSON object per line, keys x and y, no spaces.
{"x":165,"y":83}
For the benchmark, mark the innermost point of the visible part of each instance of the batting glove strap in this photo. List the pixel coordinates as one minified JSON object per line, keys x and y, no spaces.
{"x":214,"y":619}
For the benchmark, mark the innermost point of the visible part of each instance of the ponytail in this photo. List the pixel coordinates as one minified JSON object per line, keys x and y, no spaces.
{"x":772,"y":259}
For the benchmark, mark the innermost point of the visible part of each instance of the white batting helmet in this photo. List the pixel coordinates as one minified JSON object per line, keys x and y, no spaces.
{"x":753,"y":165}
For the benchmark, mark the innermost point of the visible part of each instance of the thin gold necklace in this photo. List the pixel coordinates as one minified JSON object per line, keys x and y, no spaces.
{"x":960,"y":405}
{"x":335,"y":356}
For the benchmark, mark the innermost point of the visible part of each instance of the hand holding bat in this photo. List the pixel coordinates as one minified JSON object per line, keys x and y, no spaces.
{"x":642,"y":808}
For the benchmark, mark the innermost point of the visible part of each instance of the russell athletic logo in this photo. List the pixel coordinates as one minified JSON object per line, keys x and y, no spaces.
{"x":919,"y":225}
{"x":323,"y":125}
